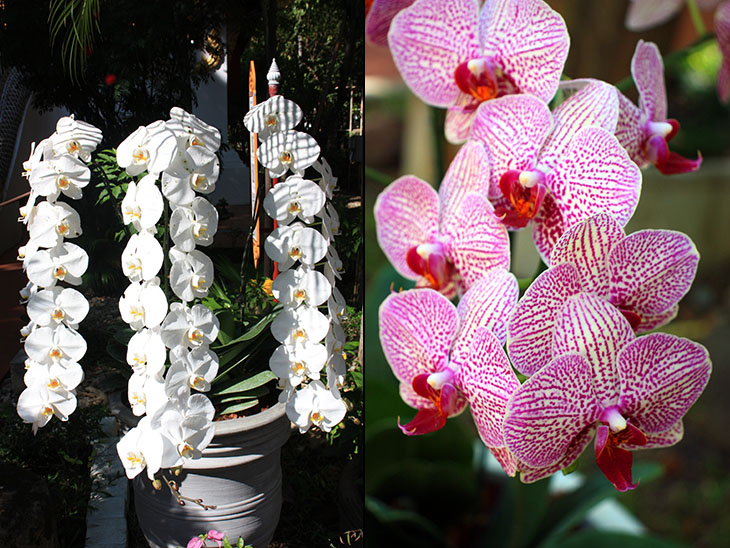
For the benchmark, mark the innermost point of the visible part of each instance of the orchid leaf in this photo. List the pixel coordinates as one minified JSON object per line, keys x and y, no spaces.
{"x":239,"y":407}
{"x":248,"y":384}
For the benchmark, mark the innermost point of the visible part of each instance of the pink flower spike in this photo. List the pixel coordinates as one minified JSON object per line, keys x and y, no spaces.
{"x":379,"y":17}
{"x":645,"y":130}
{"x":457,"y":54}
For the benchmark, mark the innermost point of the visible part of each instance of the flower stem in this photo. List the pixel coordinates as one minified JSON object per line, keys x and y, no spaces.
{"x":694,"y":12}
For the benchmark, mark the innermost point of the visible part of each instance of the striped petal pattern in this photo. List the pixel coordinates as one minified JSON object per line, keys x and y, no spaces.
{"x":647,"y":69}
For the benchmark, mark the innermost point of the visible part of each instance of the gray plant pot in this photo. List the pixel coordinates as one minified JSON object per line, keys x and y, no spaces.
{"x":239,"y":473}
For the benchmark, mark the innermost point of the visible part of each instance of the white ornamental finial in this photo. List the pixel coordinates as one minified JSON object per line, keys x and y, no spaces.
{"x":274,"y":75}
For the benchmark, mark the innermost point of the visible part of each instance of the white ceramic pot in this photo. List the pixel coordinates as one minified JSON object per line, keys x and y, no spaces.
{"x":239,"y":473}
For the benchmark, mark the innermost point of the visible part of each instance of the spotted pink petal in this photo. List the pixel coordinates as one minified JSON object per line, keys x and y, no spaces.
{"x":467,"y":174}
{"x":651,"y":270}
{"x":417,"y":328}
{"x":459,"y":119}
{"x":647,"y":69}
{"x":649,"y":323}
{"x":550,"y":410}
{"x":486,"y":378}
{"x":587,"y":245}
{"x":645,"y":14}
{"x":590,"y":103}
{"x":595,"y":329}
{"x":406,"y":215}
{"x":512,"y":129}
{"x":529,"y":40}
{"x":532,"y":327}
{"x":488,"y":303}
{"x":548,"y":226}
{"x":661,"y":377}
{"x":506,"y":459}
{"x":722,"y":28}
{"x":378,"y":19}
{"x":477,"y":240}
{"x":575,"y":449}
{"x":630,"y":130}
{"x":595,"y":176}
{"x":428,"y":40}
{"x":662,"y":439}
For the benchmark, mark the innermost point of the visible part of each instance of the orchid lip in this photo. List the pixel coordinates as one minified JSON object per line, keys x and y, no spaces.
{"x":611,"y":416}
{"x":439,"y":379}
{"x":659,"y":128}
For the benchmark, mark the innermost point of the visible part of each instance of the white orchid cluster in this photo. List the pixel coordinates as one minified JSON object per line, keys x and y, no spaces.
{"x":181,"y":154}
{"x":56,"y":166}
{"x":301,"y":328}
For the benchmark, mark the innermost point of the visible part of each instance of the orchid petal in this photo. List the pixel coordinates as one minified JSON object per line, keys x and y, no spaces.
{"x":417,"y":328}
{"x":647,"y":70}
{"x":651,"y":270}
{"x":532,"y":326}
{"x":661,"y":377}
{"x":586,"y":245}
{"x":485,"y":377}
{"x":661,"y":439}
{"x":478,"y":240}
{"x":591,"y":103}
{"x":530,"y":40}
{"x":530,"y":474}
{"x":644,"y":14}
{"x":467,"y":174}
{"x":548,"y":226}
{"x":629,"y":130}
{"x":595,"y":176}
{"x":378,"y":19}
{"x":593,"y":328}
{"x":406,"y":215}
{"x":512,"y":129}
{"x":550,"y":410}
{"x":428,"y":40}
{"x":459,"y":118}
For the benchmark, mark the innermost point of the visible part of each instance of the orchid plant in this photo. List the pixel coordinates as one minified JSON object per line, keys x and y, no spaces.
{"x":311,"y":341}
{"x":564,"y":157}
{"x":57,"y":166}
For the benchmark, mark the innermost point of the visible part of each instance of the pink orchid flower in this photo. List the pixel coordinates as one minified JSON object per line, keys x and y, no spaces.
{"x":378,"y":16}
{"x":644,"y":131}
{"x":630,"y":393}
{"x":426,"y":340}
{"x":643,"y":275}
{"x":445,"y":241}
{"x":554,"y":169}
{"x":722,"y":28}
{"x":457,"y":54}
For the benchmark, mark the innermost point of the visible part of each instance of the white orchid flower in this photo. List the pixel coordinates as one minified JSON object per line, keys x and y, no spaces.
{"x":146,"y":394}
{"x":184,"y":178}
{"x":142,"y":204}
{"x":296,"y":242}
{"x":141,"y":448}
{"x":25,"y":252}
{"x":299,"y":326}
{"x":194,"y":368}
{"x":149,"y":148}
{"x":38,"y":153}
{"x":51,"y":223}
{"x":337,"y":306}
{"x":333,"y":267}
{"x":58,"y":305}
{"x":295,"y":197}
{"x":146,"y":353}
{"x":55,"y":377}
{"x":191,"y":275}
{"x":26,"y":330}
{"x":288,"y":150}
{"x":143,"y":304}
{"x":142,"y":257}
{"x":330,"y":222}
{"x":336,"y":371}
{"x":66,"y":262}
{"x":328,"y":183}
{"x":315,"y":405}
{"x":49,"y":345}
{"x":27,"y":292}
{"x":274,"y":115}
{"x":64,"y":174}
{"x":187,"y":428}
{"x":303,"y":285}
{"x":189,"y":327}
{"x":197,"y":132}
{"x":27,"y":211}
{"x":75,"y":137}
{"x":296,"y":363}
{"x":37,"y":404}
{"x":193,"y":225}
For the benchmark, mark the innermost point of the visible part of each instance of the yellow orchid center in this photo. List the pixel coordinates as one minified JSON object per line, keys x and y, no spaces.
{"x":298,"y":368}
{"x":295,"y":208}
{"x":63,"y":182}
{"x":47,"y":411}
{"x":73,"y":146}
{"x":135,"y":460}
{"x":55,"y":353}
{"x":58,"y":315}
{"x":295,"y":253}
{"x":316,"y":417}
{"x":195,"y":336}
{"x":54,"y":383}
{"x":285,"y":157}
{"x":60,"y":272}
{"x":198,"y":383}
{"x":299,"y":295}
{"x":140,"y":156}
{"x":299,"y":334}
{"x":63,"y":228}
{"x":186,"y":450}
{"x":198,"y":282}
{"x":199,"y":230}
{"x":271,"y":120}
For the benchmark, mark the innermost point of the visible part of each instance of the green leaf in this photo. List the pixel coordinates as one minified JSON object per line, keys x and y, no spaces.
{"x":247,"y":395}
{"x":253,"y":332}
{"x":357,"y":378}
{"x":248,"y":384}
{"x":227,"y":326}
{"x":239,"y":407}
{"x":402,"y":528}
